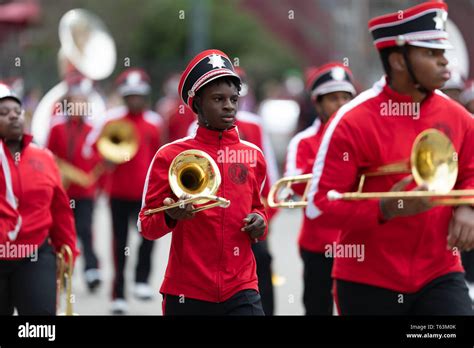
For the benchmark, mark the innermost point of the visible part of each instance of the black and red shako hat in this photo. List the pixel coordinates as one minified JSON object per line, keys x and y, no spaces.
{"x":329,"y":78}
{"x":133,"y":81}
{"x":204,"y":68}
{"x":423,"y":25}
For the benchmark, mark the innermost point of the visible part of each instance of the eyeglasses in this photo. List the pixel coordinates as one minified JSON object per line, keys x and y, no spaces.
{"x":16,"y":111}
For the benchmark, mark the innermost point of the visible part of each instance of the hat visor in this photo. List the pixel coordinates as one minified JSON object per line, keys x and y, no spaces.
{"x":222,"y":74}
{"x":143,"y":89}
{"x":332,"y":86}
{"x":436,"y":44}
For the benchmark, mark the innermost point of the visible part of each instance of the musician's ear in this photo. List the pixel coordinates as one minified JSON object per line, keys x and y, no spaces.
{"x":397,"y":62}
{"x":196,"y":104}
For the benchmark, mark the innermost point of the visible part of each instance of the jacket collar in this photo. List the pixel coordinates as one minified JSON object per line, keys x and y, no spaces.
{"x":398,"y":97}
{"x":225,"y":137}
{"x":25,"y":142}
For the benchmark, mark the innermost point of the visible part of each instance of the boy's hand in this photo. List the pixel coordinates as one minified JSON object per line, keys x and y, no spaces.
{"x":254,"y":225}
{"x":461,"y":229}
{"x":182,"y":212}
{"x":390,"y":207}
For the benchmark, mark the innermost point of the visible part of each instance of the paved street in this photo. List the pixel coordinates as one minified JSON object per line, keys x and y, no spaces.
{"x":286,"y":263}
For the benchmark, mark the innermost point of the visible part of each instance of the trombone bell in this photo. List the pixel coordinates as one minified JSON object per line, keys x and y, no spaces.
{"x":118,"y":142}
{"x":193,"y":173}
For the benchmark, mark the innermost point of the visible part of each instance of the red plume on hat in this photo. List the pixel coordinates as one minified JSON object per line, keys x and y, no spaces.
{"x":133,"y":81}
{"x":202,"y":69}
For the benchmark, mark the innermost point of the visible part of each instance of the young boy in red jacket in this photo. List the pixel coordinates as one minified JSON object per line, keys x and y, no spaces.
{"x":397,"y":256}
{"x":331,"y":86}
{"x":211,"y":268}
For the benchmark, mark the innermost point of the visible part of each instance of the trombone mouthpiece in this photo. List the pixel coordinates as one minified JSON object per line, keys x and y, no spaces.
{"x":334,"y":195}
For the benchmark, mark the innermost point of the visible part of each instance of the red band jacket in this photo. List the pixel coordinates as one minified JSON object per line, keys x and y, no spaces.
{"x":126,"y":180}
{"x":376,"y":128}
{"x":9,"y":217}
{"x":42,"y":202}
{"x":210,"y":258}
{"x":301,"y":152}
{"x":66,"y":140}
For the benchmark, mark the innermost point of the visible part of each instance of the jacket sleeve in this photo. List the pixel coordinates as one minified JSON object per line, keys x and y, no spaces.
{"x":62,"y":230}
{"x":9,"y":220}
{"x":466,"y":159}
{"x":257,"y":204}
{"x":336,"y":168}
{"x":156,"y":189}
{"x":298,"y":162}
{"x":271,"y":174}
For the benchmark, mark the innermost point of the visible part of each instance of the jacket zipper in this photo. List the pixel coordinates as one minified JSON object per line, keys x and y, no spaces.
{"x":222,"y":229}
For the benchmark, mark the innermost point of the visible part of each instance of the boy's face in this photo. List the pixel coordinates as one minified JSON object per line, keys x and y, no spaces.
{"x":135,"y":103}
{"x":330,"y":103}
{"x":429,"y":66}
{"x":217,"y":104}
{"x":11,"y":119}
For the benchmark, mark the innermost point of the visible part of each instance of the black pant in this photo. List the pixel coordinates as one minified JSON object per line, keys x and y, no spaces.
{"x":264,"y":274}
{"x":122,"y":212}
{"x":468,"y":263}
{"x":29,"y":285}
{"x":83,"y":218}
{"x":446,"y":295}
{"x":245,"y":302}
{"x":317,"y":295}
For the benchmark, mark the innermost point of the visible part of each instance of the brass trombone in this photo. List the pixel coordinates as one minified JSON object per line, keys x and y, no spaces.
{"x":65,"y":270}
{"x":281,"y":201}
{"x":195,"y":174}
{"x":433,"y":163}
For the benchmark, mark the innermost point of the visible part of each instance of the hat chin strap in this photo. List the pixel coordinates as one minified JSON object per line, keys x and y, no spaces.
{"x":417,"y":84}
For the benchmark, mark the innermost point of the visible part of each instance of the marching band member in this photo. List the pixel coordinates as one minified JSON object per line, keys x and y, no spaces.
{"x":211,"y":267}
{"x":124,"y":183}
{"x":28,"y":273}
{"x":66,"y":139}
{"x":251,"y":129}
{"x":407,"y":263}
{"x":331,"y":86}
